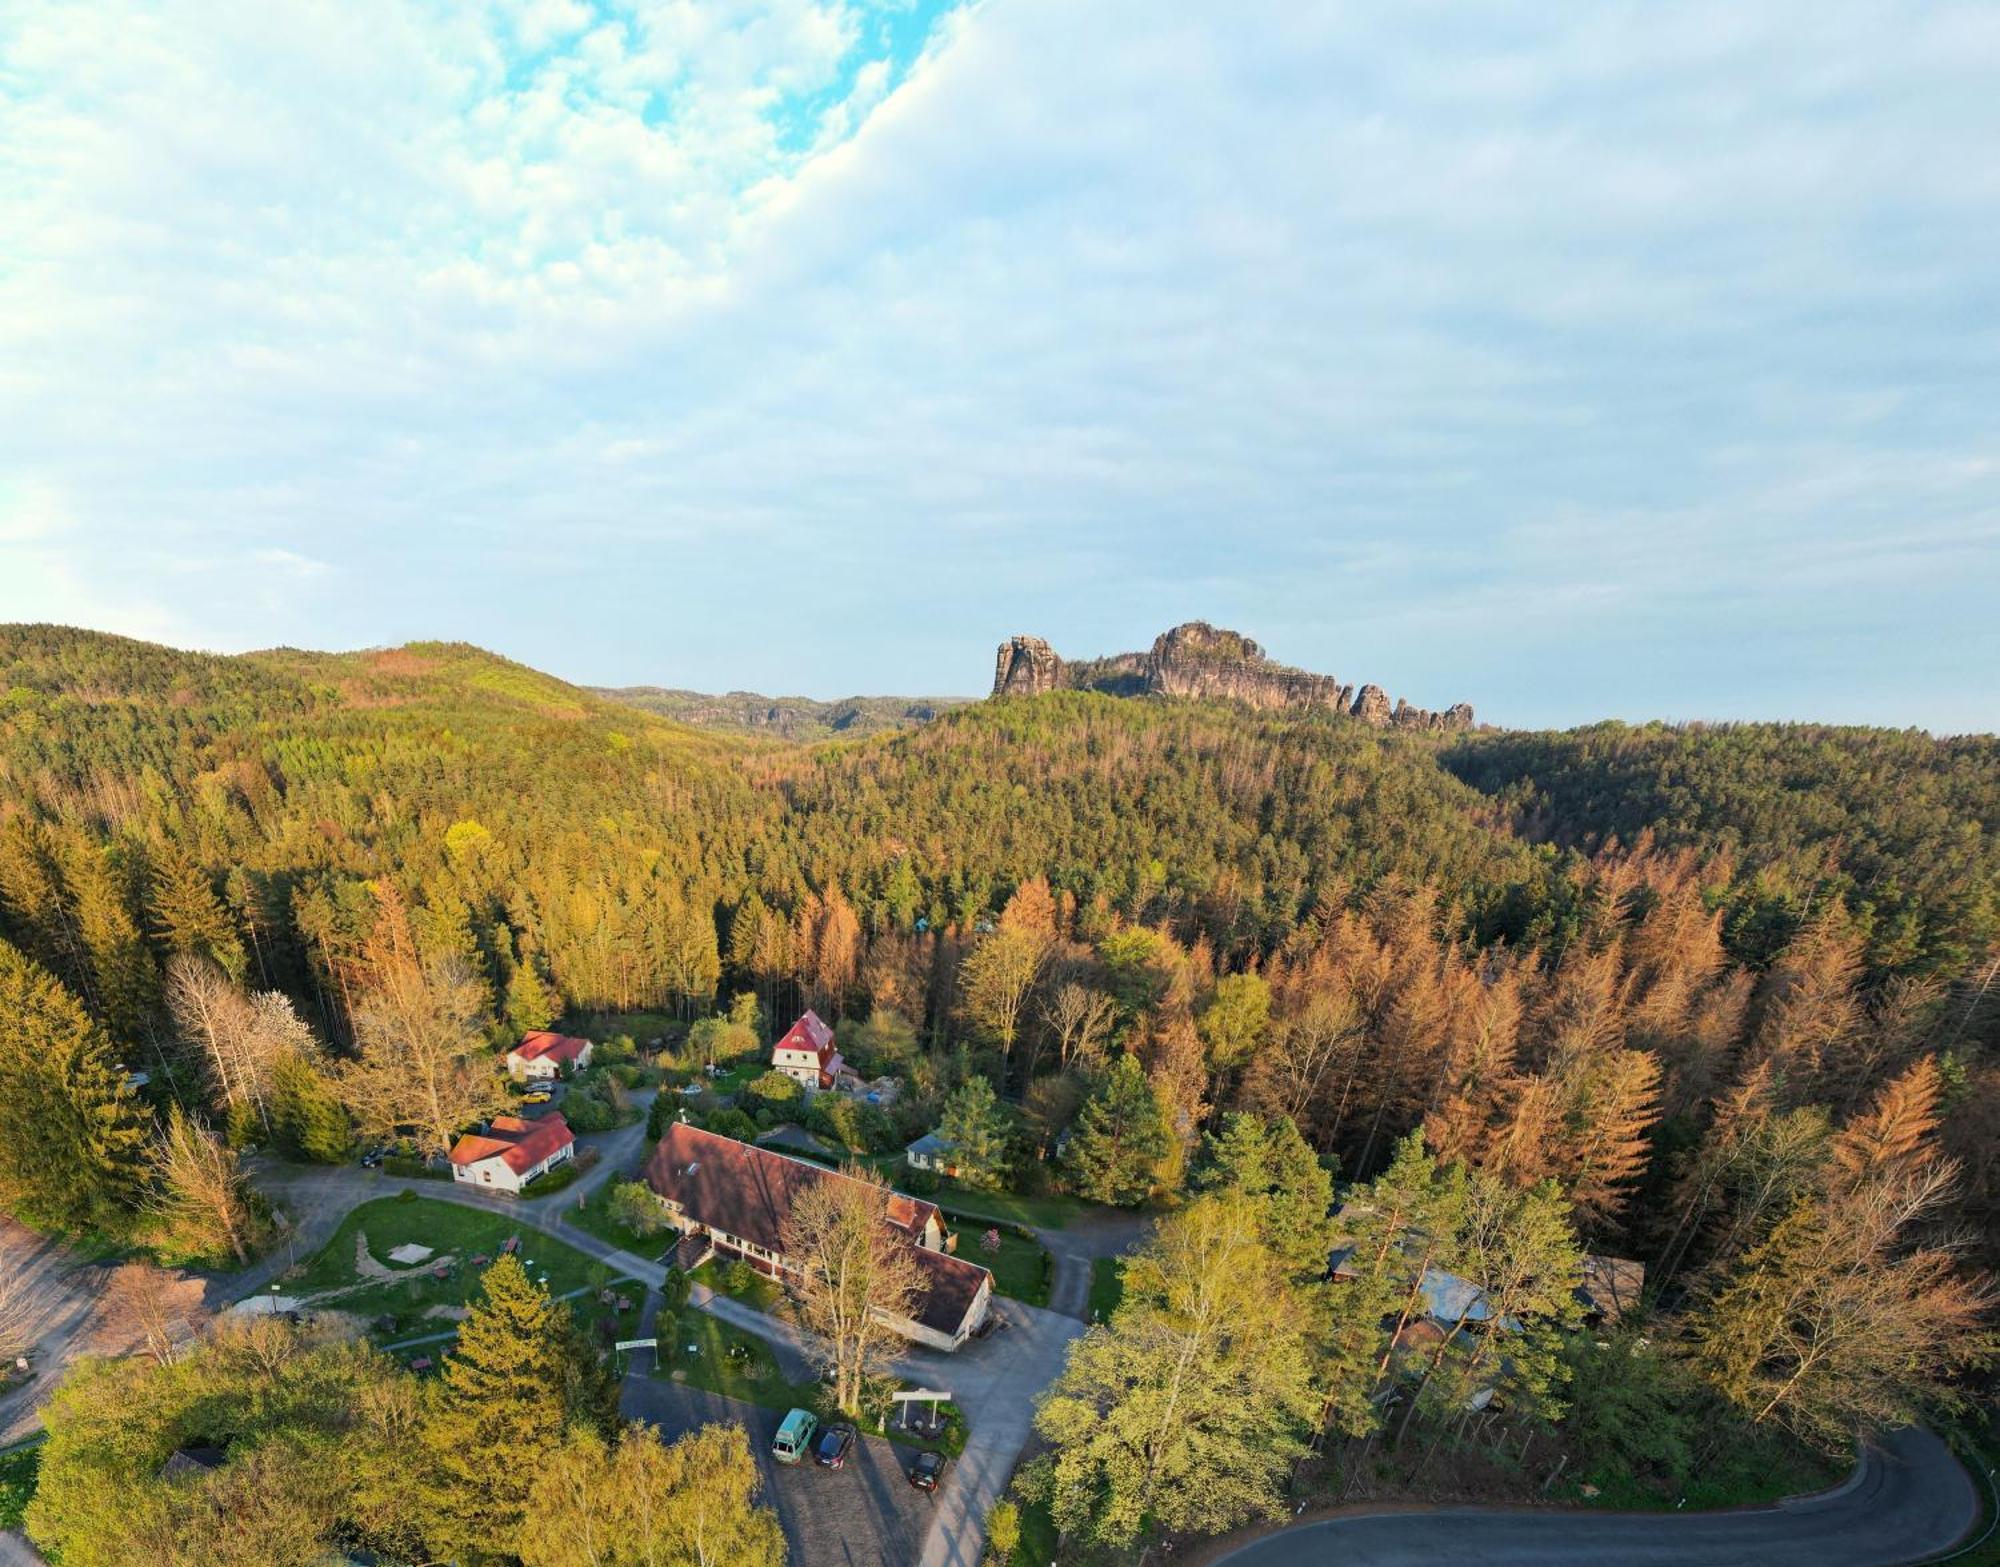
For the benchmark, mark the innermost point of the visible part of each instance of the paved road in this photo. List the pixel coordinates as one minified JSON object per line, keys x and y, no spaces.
{"x":865,"y":1515}
{"x":1904,"y":1503}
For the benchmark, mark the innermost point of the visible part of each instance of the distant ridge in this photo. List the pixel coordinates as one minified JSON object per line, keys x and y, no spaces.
{"x":786,"y":717}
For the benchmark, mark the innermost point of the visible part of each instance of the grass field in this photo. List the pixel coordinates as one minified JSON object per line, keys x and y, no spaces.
{"x":1019,"y":1269}
{"x":1107,"y":1287}
{"x":594,"y":1218}
{"x":449,"y":1230}
{"x":1046,"y":1213}
{"x":757,"y":1292}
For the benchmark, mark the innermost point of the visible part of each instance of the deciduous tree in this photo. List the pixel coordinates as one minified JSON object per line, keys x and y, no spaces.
{"x":855,"y":1274}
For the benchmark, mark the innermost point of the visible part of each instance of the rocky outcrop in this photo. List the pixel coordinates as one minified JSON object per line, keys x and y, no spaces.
{"x":1027,"y":666}
{"x":1197,"y":660}
{"x":1372,"y":706}
{"x":1200,"y":660}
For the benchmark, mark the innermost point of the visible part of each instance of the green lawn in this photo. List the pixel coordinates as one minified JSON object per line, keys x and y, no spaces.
{"x":1107,"y":1287}
{"x":1019,"y":1269}
{"x":1047,"y":1213}
{"x":18,"y":1467}
{"x":756,"y":1292}
{"x":594,"y":1218}
{"x":1038,"y":1536}
{"x":739,"y":1365}
{"x":448,"y":1229}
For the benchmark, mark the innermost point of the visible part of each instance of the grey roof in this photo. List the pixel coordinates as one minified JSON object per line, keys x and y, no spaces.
{"x":930,"y":1145}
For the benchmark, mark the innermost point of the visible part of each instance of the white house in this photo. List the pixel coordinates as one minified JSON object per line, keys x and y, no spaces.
{"x":512,"y":1152}
{"x":542,"y":1055}
{"x":734,"y":1198}
{"x":806,"y":1055}
{"x":931,"y":1152}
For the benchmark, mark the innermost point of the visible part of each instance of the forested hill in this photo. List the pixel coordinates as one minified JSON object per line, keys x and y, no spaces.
{"x":1825,"y":899}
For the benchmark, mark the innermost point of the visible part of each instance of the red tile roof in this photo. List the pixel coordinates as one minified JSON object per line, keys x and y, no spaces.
{"x":808,"y":1034}
{"x":541,"y":1044}
{"x":747,"y":1192}
{"x":520,"y":1144}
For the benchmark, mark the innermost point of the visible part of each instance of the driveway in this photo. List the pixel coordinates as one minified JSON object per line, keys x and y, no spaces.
{"x":865,"y":1515}
{"x":1905,"y":1502}
{"x":1077,"y":1248}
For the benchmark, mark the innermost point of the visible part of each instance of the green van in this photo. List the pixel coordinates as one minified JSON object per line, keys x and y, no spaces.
{"x":794,"y":1438}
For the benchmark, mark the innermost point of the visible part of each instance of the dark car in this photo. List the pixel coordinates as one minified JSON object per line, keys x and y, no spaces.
{"x":925,"y":1470}
{"x":835,"y":1443}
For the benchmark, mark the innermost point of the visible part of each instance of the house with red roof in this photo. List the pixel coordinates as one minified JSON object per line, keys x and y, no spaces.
{"x":541,"y":1055}
{"x":806,"y":1054}
{"x":511,"y":1152}
{"x":732,"y":1199}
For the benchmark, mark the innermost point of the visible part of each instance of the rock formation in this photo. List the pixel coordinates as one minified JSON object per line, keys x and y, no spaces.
{"x":1027,"y":666}
{"x":1199,"y":660}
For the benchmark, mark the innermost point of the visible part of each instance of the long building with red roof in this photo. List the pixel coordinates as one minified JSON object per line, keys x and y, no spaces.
{"x":734,"y":1198}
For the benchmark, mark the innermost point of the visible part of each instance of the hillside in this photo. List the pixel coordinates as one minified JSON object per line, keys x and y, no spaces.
{"x":795,"y":718}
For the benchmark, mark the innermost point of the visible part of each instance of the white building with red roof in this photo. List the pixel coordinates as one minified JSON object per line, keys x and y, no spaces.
{"x":541,"y":1055}
{"x":806,"y":1054}
{"x":511,"y":1152}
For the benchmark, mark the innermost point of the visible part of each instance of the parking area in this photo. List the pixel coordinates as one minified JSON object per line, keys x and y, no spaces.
{"x":865,"y":1515}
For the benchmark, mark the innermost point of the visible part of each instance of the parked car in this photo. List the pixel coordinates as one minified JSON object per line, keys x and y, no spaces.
{"x":373,"y":1157}
{"x":794,"y":1438}
{"x":540,"y":1096}
{"x":835,"y":1443}
{"x":925,"y":1470}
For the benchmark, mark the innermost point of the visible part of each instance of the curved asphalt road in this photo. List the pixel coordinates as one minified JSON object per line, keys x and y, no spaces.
{"x":1905,"y":1502}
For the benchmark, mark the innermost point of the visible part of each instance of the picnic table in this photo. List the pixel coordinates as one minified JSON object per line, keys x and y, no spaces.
{"x":513,"y":1245}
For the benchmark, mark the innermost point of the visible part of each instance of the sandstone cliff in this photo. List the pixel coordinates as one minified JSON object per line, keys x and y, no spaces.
{"x":1200,"y":660}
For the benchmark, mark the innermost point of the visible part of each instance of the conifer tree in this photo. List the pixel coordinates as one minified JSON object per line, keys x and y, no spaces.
{"x":1271,"y":1169}
{"x":499,"y":1410}
{"x":530,"y":1005}
{"x":1120,"y":1138}
{"x":977,"y":1131}
{"x":186,"y":916}
{"x":78,"y":1154}
{"x":1897,"y":1132}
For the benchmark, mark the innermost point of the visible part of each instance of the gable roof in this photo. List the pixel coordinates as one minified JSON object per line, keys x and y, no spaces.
{"x":747,"y":1192}
{"x":520,"y":1144}
{"x":1611,"y":1286}
{"x":540,"y":1045}
{"x":809,"y":1034}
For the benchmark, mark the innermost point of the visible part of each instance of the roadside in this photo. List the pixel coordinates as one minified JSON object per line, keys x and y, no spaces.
{"x":1907,"y":1499}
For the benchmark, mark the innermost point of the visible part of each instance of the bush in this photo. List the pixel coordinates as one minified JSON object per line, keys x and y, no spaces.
{"x":620,"y":1047}
{"x":413,"y":1169}
{"x":674,"y":1293}
{"x":731,"y":1123}
{"x":918,"y":1183}
{"x":587,"y":1111}
{"x":552,"y":1180}
{"x":1003,"y":1532}
{"x":739,"y":1278}
{"x":856,"y":1126}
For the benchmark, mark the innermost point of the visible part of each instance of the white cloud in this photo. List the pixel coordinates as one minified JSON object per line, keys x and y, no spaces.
{"x":1362,"y":327}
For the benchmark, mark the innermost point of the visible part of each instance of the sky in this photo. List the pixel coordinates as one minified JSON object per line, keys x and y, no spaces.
{"x":1614,"y":360}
